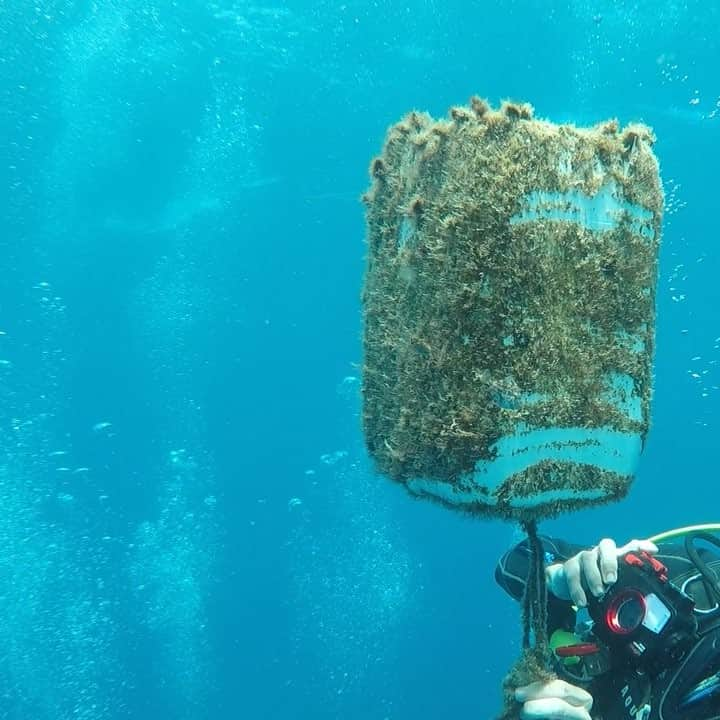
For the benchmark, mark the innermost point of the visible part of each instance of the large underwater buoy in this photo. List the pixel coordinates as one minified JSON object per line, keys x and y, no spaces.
{"x":509,"y":312}
{"x":509,"y":309}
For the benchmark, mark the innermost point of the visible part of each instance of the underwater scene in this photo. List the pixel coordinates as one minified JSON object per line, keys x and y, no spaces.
{"x":203,"y":437}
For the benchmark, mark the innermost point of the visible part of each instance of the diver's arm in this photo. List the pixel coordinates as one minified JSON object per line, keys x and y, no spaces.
{"x":571,"y":570}
{"x":512,"y":568}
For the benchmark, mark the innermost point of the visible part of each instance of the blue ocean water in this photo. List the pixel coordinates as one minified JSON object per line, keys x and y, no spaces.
{"x":190,"y":526}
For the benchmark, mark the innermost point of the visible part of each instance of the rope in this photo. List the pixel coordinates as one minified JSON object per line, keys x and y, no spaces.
{"x":535,"y":597}
{"x":534,"y":664}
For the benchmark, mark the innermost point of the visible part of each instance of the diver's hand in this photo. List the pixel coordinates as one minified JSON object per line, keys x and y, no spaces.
{"x":594,"y":569}
{"x":554,"y":700}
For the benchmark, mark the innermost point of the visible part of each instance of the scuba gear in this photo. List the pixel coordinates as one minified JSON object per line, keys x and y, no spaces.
{"x":646,"y":618}
{"x":643,"y":616}
{"x":704,"y":689}
{"x":707,"y":601}
{"x":578,"y":658}
{"x":562,"y":642}
{"x":683,"y":531}
{"x":623,"y":689}
{"x":577,"y":655}
{"x":647,"y":632}
{"x":710,"y":580}
{"x":649,"y":624}
{"x":691,"y":691}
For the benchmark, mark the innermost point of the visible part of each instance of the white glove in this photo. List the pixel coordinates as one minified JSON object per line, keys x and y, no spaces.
{"x":595,"y":569}
{"x":554,"y":700}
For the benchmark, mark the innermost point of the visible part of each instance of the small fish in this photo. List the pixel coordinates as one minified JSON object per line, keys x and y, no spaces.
{"x":99,"y":427}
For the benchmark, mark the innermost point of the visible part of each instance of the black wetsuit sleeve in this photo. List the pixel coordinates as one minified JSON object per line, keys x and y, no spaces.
{"x":512,"y":570}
